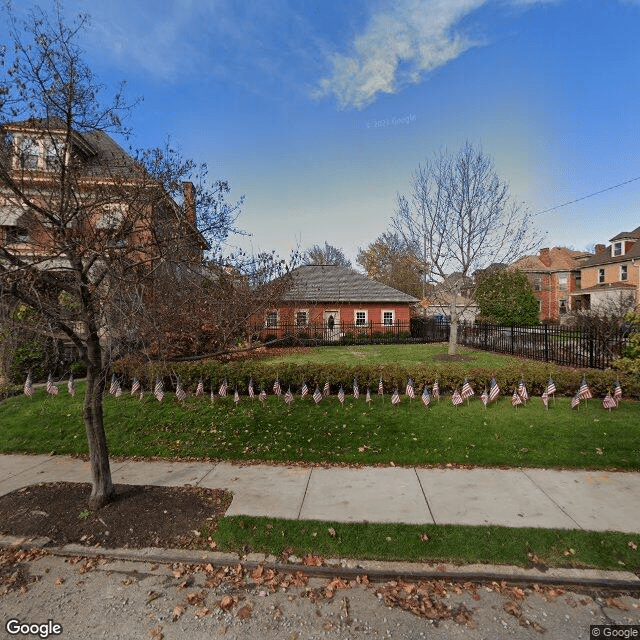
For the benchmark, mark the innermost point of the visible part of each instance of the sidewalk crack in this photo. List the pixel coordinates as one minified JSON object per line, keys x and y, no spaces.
{"x":425,"y":496}
{"x":305,"y":494}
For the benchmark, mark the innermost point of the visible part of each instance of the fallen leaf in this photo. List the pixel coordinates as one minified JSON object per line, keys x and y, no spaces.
{"x":202,"y":612}
{"x":632,"y":545}
{"x":244,"y":613}
{"x":59,"y":581}
{"x":156,"y":632}
{"x":312,"y":561}
{"x":178,"y":610}
{"x":512,"y":608}
{"x":332,"y":532}
{"x":226,"y":603}
{"x":614,"y":602}
{"x":424,"y":537}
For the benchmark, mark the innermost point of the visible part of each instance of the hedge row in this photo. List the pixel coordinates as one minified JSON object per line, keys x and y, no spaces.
{"x":450,"y":376}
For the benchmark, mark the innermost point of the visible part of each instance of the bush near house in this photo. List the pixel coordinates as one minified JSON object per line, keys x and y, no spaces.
{"x":450,"y":376}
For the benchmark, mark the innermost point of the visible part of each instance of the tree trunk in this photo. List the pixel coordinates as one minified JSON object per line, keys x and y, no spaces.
{"x":103,"y":490}
{"x":453,"y":327}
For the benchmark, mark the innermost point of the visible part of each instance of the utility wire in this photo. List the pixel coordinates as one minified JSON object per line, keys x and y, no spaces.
{"x":566,"y":204}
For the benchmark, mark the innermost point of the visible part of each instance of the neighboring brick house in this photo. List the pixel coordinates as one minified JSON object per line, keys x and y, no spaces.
{"x":555,"y":275}
{"x":332,"y":301}
{"x":611,"y":275}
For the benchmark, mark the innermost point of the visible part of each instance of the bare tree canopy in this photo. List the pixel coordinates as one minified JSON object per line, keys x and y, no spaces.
{"x":388,"y":259}
{"x":101,"y":248}
{"x":317,"y":254}
{"x":459,"y":217}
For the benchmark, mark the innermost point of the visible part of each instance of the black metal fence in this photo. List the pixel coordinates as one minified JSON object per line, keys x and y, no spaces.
{"x":550,"y":343}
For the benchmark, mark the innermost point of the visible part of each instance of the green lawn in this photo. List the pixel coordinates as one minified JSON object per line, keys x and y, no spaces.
{"x":401,"y":354}
{"x":428,"y":543}
{"x":355,"y":433}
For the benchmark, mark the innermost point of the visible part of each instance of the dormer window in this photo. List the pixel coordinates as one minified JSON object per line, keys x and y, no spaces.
{"x":616,"y":249}
{"x":28,"y":154}
{"x":16,"y":235}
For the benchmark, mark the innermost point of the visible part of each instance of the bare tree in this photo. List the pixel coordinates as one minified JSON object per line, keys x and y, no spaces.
{"x":459,"y":217}
{"x":328,"y":254}
{"x":91,"y":237}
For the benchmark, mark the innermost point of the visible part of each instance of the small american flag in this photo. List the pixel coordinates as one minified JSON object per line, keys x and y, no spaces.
{"x":545,"y":398}
{"x":551,"y":387}
{"x":575,"y":401}
{"x":609,"y":402}
{"x":515,"y":398}
{"x":180,"y":392}
{"x":304,"y":392}
{"x":114,"y":385}
{"x":584,"y":392}
{"x":456,"y":398}
{"x":327,"y":389}
{"x":367,"y":398}
{"x":52,"y":387}
{"x":395,"y":397}
{"x":617,"y":392}
{"x":71,"y":385}
{"x":485,"y":397}
{"x":236,"y":396}
{"x":263,"y":396}
{"x":222,"y":391}
{"x":494,"y":390}
{"x":200,"y":388}
{"x":341,"y":395}
{"x":467,"y":391}
{"x":522,"y":390}
{"x":426,"y":398}
{"x":356,"y":389}
{"x":436,"y":390}
{"x":380,"y":387}
{"x":317,"y":396}
{"x":28,"y":385}
{"x":288,"y":397}
{"x":277,"y":389}
{"x":410,"y":391}
{"x":135,"y":386}
{"x":252,"y":393}
{"x":158,"y":390}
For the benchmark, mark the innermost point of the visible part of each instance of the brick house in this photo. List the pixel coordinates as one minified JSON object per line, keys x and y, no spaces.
{"x":555,"y":275}
{"x":611,"y":275}
{"x":330,"y":301}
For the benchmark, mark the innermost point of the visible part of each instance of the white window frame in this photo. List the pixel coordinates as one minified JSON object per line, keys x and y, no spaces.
{"x":24,"y":144}
{"x":270,"y":314}
{"x":563,"y":281}
{"x":617,"y":249}
{"x":393,"y":317}
{"x":601,"y":276}
{"x":306,"y":317}
{"x":624,"y":272}
{"x":365,"y":321}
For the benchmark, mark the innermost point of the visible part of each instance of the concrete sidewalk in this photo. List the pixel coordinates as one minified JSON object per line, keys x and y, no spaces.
{"x":590,"y":500}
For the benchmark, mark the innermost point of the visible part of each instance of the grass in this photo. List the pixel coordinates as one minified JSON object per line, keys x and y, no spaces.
{"x":429,"y":543}
{"x":400,"y":354}
{"x":355,"y":433}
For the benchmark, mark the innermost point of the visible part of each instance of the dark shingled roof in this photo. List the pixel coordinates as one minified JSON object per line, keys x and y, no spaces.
{"x":331,"y":283}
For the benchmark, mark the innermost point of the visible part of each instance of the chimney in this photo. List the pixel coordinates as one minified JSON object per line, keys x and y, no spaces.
{"x":600,"y":248}
{"x":545,"y":257}
{"x":189,"y":202}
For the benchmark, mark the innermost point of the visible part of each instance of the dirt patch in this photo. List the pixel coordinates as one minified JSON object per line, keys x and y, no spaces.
{"x":140,"y":516}
{"x":445,"y":357}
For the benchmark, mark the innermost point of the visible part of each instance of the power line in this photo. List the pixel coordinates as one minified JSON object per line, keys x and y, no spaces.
{"x":566,"y":204}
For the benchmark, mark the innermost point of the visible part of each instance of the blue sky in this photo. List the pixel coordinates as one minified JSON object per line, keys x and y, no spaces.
{"x":318,"y":112}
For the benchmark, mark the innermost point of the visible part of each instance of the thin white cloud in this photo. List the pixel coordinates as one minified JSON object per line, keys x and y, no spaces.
{"x":398,"y":46}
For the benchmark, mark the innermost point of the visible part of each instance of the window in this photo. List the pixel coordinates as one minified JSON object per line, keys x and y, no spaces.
{"x":361,"y":318}
{"x":51,"y":157}
{"x":616,"y":249}
{"x":623,"y":272}
{"x":563,"y":279}
{"x":301,"y":319}
{"x":388,"y":318}
{"x":28,"y":153}
{"x":537,"y":283}
{"x":578,"y":280}
{"x":601,"y":276}
{"x":272,"y":319}
{"x":562,"y":307}
{"x":16,"y":235}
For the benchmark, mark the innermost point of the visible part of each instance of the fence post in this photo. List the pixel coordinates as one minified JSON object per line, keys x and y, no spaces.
{"x":546,"y":343}
{"x":512,"y":340}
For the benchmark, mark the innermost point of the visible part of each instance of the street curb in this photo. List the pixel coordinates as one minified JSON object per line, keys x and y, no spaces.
{"x":376,"y":571}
